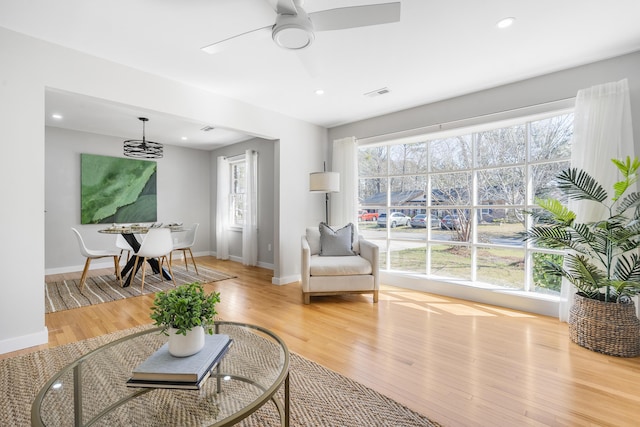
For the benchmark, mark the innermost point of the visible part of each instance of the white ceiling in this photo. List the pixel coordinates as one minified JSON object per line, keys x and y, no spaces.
{"x":438,"y":50}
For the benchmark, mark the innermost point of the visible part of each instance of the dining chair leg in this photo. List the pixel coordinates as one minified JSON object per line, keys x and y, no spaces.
{"x":116,"y":264}
{"x":144,"y":270}
{"x":173,"y":278}
{"x":184,"y":257}
{"x":160,"y":264}
{"x":192,"y":260}
{"x":84,"y":273}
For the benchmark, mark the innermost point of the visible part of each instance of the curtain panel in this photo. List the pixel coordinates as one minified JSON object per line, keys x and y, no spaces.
{"x":344,"y":205}
{"x":602,"y":131}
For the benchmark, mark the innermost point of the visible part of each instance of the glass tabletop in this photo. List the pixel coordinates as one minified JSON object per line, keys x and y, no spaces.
{"x":92,"y":390}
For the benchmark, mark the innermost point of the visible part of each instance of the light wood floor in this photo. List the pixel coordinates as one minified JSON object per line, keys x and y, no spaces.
{"x":461,"y":363}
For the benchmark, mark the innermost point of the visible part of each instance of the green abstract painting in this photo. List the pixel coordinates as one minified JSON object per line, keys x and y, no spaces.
{"x":117,"y":190}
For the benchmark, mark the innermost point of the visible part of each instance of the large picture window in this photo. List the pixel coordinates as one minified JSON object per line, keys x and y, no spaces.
{"x":467,"y":194}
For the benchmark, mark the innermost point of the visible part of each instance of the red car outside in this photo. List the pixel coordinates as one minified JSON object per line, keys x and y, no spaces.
{"x":368,"y":216}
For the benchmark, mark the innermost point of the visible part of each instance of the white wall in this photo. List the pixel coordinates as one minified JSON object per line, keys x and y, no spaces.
{"x":28,"y":66}
{"x":183,"y":190}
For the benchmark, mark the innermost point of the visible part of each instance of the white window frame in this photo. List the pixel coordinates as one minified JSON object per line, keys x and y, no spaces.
{"x":469,"y":126}
{"x":235,"y":162}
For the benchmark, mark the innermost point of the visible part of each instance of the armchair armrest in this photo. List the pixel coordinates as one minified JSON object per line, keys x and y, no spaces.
{"x":305,"y":264}
{"x":371,"y":252}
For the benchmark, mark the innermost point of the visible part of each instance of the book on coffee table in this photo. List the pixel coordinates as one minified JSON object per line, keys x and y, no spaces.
{"x":161,"y":369}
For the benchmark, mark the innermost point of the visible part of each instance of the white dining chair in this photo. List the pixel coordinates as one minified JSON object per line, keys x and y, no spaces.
{"x":157,"y":243}
{"x":95,"y":254}
{"x":124,"y":246}
{"x":185,"y":245}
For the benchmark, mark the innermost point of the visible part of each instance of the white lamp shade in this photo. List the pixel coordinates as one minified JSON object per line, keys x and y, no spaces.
{"x":324,"y":182}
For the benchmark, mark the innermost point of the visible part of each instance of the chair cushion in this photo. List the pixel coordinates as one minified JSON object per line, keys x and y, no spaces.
{"x":338,"y":266}
{"x":336,"y":242}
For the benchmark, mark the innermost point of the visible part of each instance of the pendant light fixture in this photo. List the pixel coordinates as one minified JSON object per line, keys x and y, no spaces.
{"x":141,"y":148}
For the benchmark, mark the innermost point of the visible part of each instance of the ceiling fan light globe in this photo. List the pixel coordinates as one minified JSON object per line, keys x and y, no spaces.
{"x":293,"y":31}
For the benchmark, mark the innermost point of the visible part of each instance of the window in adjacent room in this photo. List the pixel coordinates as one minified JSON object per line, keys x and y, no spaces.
{"x":237,"y":192}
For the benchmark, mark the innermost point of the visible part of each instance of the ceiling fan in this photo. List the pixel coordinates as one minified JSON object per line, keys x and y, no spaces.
{"x":294,"y":27}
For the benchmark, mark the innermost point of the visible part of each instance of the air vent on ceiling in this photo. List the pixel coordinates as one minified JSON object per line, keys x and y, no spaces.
{"x":377,"y":92}
{"x":207,"y":128}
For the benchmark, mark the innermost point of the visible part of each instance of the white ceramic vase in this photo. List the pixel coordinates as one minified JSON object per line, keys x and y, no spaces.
{"x":186,"y":345}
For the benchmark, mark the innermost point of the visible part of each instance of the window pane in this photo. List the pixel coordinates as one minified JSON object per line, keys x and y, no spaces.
{"x":505,"y":146}
{"x":451,"y":153}
{"x":544,"y":283}
{"x":408,"y":158}
{"x":451,"y":261}
{"x":372,"y":161}
{"x":409,"y":191}
{"x":451,"y":189}
{"x":372,"y":193}
{"x":504,"y":186}
{"x":544,"y":181}
{"x":501,"y":266}
{"x":501,"y":226}
{"x":551,"y":138}
{"x":409,"y":257}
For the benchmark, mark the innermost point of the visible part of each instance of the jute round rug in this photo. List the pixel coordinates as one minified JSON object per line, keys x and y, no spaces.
{"x":319,"y":396}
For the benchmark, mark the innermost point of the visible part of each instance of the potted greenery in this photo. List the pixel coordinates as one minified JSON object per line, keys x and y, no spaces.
{"x":184,"y":313}
{"x":602,"y":263}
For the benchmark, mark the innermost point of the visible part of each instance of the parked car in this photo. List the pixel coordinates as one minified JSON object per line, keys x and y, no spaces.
{"x":450,"y":222}
{"x":396,"y":219}
{"x":420,"y":221}
{"x":367,"y":216}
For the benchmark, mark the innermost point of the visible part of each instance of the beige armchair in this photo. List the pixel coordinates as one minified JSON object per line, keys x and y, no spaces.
{"x":335,"y":275}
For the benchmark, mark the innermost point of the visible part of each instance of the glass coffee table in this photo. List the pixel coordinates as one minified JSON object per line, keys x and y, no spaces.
{"x":92,"y":390}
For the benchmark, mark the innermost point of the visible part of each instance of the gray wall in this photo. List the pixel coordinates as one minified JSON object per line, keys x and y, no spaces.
{"x":183,"y":194}
{"x":538,"y":90}
{"x":266,"y":197}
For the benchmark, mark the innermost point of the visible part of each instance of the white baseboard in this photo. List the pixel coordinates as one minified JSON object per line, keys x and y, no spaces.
{"x":24,"y":341}
{"x":285,"y":280}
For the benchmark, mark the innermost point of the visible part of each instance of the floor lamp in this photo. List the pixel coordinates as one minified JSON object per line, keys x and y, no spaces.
{"x":324,"y":182}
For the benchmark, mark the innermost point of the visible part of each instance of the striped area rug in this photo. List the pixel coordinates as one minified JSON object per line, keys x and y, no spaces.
{"x":66,"y":294}
{"x":319,"y":396}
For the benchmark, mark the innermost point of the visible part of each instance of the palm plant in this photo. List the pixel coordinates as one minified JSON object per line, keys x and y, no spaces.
{"x":603,"y":261}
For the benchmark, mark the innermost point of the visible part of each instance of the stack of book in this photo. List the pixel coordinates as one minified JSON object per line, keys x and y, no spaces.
{"x":162,"y":370}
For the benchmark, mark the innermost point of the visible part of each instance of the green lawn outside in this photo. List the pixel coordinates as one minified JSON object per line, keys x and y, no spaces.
{"x":498,"y":266}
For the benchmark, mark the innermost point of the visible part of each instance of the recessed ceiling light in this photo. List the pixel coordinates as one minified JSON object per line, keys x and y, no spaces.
{"x":505,"y":23}
{"x":319,"y":92}
{"x":184,"y":138}
{"x":56,"y":116}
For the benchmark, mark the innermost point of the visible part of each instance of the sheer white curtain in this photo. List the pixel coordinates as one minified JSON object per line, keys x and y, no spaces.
{"x":602,"y":131}
{"x":250,"y":228}
{"x":222,"y":209}
{"x":344,"y":205}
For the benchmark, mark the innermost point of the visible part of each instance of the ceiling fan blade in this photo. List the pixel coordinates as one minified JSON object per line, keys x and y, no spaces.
{"x":236,"y":42}
{"x":355,"y":16}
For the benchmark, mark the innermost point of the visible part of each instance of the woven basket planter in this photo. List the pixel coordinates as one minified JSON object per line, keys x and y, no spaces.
{"x":605,"y":327}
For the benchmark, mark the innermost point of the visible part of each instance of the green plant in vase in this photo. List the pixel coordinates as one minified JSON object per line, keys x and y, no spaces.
{"x":185,"y":311}
{"x":602,"y":261}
